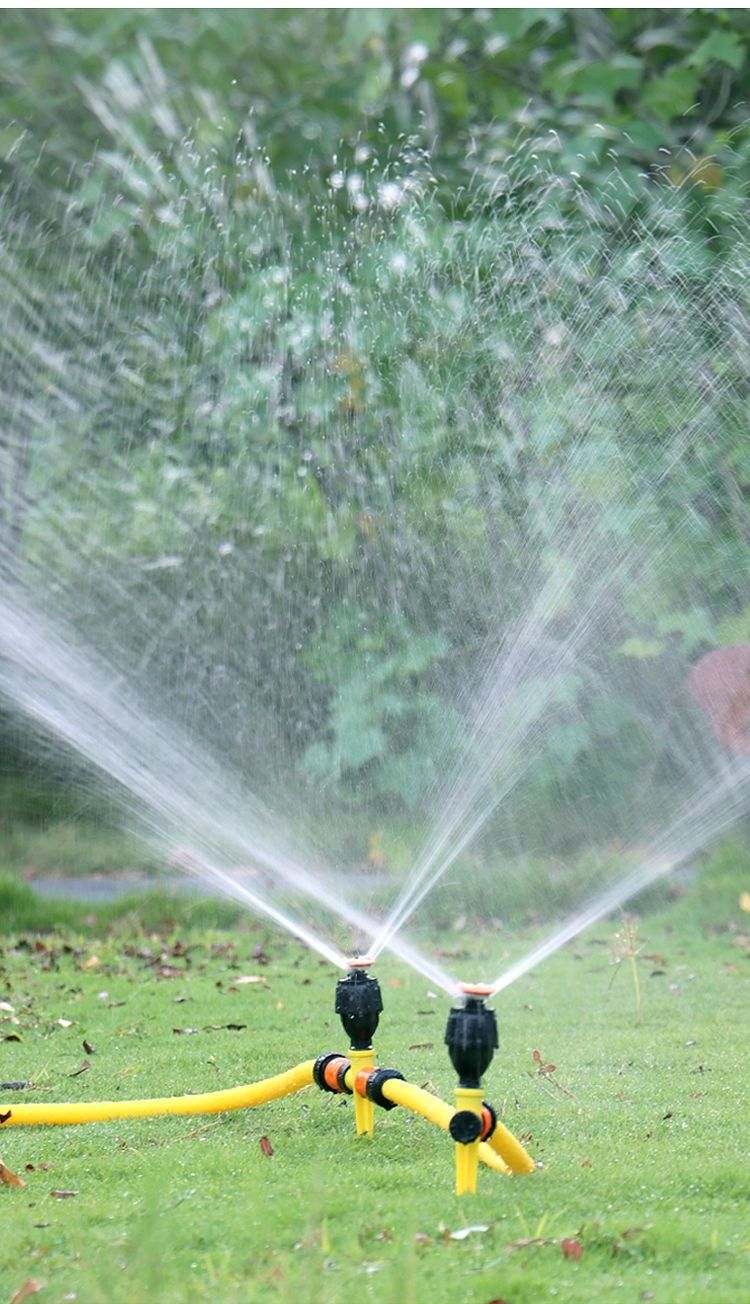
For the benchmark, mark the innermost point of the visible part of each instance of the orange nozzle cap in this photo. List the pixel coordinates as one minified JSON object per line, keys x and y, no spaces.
{"x":475,"y":989}
{"x":361,"y":961}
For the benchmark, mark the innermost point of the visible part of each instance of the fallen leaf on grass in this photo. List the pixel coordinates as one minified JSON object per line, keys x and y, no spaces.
{"x":4,"y":1117}
{"x":84,"y":1068}
{"x":422,"y":1045}
{"x":525,"y":1243}
{"x":572,"y":1249}
{"x":543,"y":1068}
{"x":89,"y":1049}
{"x":248,"y":978}
{"x":745,"y":902}
{"x":9,"y":1178}
{"x":63,"y":1195}
{"x":266,"y":1147}
{"x":463,"y":1232}
{"x":212,"y":1027}
{"x":92,"y":962}
{"x":65,"y":1023}
{"x":23,"y":1292}
{"x":8,"y":1009}
{"x":12,"y":1036}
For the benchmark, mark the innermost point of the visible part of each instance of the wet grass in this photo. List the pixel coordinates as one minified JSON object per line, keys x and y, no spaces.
{"x":641,"y":1126}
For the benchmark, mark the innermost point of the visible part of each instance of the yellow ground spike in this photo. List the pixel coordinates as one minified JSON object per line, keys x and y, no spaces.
{"x":467,"y":1156}
{"x":364,"y":1110}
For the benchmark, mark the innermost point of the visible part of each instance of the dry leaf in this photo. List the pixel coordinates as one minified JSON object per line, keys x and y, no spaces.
{"x":83,"y":1069}
{"x":89,"y":1049}
{"x":8,"y":1178}
{"x":266,"y":1147}
{"x":29,"y":1288}
{"x":63,"y":1195}
{"x":92,"y":962}
{"x":572,"y":1250}
{"x":8,"y":1009}
{"x":249,"y":978}
{"x":185,"y":1032}
{"x":65,"y":1023}
{"x":745,"y":902}
{"x":4,"y":1117}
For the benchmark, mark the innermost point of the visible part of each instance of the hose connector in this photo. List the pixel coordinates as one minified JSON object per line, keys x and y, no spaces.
{"x":374,"y":1083}
{"x":329,"y":1073}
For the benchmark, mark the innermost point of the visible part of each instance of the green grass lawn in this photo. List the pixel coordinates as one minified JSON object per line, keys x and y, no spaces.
{"x":641,"y":1130}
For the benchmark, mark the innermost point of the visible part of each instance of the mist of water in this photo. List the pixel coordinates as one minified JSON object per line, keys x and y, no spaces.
{"x":705,"y":815}
{"x":179,"y":796}
{"x":219,"y":653}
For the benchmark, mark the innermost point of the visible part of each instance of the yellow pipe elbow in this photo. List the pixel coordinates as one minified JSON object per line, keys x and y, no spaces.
{"x":512,"y":1152}
{"x":210,"y":1102}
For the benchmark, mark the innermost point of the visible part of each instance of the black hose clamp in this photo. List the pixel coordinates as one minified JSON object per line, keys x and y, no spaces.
{"x":465,"y":1127}
{"x":377,"y":1081}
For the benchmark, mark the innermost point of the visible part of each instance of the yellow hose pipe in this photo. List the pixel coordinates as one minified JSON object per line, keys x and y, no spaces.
{"x":210,"y":1102}
{"x":510,"y":1149}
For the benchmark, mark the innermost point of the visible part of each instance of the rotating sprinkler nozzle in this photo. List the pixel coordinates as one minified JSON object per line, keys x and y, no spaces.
{"x":359,"y":1003}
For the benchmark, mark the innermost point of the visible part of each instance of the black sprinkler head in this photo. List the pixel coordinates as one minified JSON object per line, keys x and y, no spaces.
{"x":471,"y":1036}
{"x":359,"y":1004}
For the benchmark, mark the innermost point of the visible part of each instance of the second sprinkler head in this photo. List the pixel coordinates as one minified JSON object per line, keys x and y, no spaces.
{"x":471,"y":1035}
{"x":359,"y":1004}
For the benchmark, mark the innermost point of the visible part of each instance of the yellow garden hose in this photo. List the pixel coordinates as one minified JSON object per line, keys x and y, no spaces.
{"x":210,"y":1102}
{"x":502,"y":1153}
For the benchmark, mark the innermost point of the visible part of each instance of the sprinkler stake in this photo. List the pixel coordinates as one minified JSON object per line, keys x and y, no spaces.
{"x":359,"y":1004}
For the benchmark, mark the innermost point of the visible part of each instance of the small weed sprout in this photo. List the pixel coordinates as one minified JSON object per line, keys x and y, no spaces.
{"x":626,"y":946}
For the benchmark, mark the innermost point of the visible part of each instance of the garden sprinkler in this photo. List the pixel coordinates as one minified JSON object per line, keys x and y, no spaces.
{"x":471,"y":1038}
{"x":359,"y":1003}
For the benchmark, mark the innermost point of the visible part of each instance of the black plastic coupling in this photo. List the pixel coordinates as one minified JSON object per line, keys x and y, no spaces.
{"x":377,"y":1081}
{"x":465,"y":1127}
{"x":329,"y":1073}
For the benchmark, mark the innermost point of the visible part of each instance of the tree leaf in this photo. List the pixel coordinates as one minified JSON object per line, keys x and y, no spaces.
{"x":719,"y":47}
